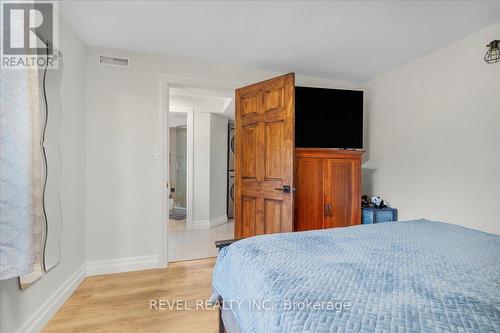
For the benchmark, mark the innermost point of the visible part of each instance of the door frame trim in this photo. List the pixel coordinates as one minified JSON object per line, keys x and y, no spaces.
{"x":165,"y":81}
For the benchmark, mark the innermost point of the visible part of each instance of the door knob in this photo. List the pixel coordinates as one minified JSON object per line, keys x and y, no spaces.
{"x":285,"y":189}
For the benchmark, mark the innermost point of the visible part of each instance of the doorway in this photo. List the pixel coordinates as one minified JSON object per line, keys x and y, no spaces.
{"x":199,"y":169}
{"x":177,"y":161}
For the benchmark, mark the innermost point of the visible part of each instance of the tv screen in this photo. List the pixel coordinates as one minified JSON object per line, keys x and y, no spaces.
{"x":328,"y":118}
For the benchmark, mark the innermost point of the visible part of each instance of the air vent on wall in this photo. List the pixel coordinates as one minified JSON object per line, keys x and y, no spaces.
{"x":107,"y":60}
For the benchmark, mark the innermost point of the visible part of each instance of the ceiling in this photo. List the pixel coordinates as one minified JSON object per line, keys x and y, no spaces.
{"x":352,"y":41}
{"x":220,"y":101}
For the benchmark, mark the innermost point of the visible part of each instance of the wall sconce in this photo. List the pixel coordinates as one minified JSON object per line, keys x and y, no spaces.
{"x":493,"y":53}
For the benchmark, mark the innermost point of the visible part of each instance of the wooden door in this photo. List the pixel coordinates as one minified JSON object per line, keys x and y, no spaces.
{"x":342,"y":200}
{"x":309,"y":198}
{"x":265,"y":122}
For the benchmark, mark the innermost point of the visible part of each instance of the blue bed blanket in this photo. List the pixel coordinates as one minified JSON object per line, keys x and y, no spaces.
{"x":414,"y":276}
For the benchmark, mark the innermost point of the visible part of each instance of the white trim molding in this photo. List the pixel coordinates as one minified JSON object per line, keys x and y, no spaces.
{"x":206,"y":224}
{"x":218,"y":221}
{"x":121,"y":265}
{"x":36,"y":322}
{"x":190,"y":169}
{"x":200,"y":224}
{"x":163,"y":174}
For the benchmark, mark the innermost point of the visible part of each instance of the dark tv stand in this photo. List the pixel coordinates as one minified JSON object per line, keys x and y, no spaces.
{"x":328,"y":188}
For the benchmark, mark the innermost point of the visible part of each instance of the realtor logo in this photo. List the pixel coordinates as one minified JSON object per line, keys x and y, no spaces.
{"x":29,"y":34}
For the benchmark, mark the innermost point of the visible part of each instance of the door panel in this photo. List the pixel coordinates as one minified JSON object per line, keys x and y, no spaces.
{"x":248,"y":216}
{"x":339,"y":175}
{"x":274,"y":137}
{"x":272,"y":216}
{"x":264,"y":156}
{"x":310,"y":210}
{"x":249,"y":104}
{"x":248,"y":160}
{"x":273,"y":99}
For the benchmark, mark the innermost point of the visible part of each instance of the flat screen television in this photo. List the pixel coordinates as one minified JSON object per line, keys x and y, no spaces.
{"x":328,"y":118}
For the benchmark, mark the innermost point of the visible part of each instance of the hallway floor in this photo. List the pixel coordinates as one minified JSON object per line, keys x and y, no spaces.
{"x":198,"y":243}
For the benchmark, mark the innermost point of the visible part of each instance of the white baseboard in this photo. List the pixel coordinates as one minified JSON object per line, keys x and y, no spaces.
{"x":201,"y":224}
{"x":218,"y":221}
{"x":206,"y":224}
{"x":47,"y":310}
{"x":121,"y":265}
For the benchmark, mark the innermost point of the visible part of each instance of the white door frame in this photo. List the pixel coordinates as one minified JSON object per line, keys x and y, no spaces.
{"x":166,"y":81}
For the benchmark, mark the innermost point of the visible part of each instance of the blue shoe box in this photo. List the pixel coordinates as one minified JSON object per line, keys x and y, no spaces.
{"x":374,"y":215}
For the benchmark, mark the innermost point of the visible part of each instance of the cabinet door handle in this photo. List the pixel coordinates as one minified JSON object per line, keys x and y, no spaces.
{"x":328,"y":210}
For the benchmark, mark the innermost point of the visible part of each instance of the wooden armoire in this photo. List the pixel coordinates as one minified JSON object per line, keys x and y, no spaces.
{"x":328,"y":188}
{"x":281,"y":188}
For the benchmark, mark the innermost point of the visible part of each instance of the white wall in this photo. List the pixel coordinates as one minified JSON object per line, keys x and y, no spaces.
{"x":123,"y":121}
{"x":433,"y":136}
{"x":16,"y":307}
{"x":209,"y":169}
{"x":218,"y":167}
{"x":201,"y":169}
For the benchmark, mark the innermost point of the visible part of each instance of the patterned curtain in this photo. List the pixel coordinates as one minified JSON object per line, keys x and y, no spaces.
{"x":22,"y":218}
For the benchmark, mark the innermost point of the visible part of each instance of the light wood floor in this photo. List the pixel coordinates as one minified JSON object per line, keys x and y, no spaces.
{"x":195,"y":244}
{"x":121,"y":302}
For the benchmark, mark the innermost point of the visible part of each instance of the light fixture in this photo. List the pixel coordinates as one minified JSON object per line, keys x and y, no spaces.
{"x":493,"y":54}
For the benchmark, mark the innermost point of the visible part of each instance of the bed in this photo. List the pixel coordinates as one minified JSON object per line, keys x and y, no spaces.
{"x":413,"y":276}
